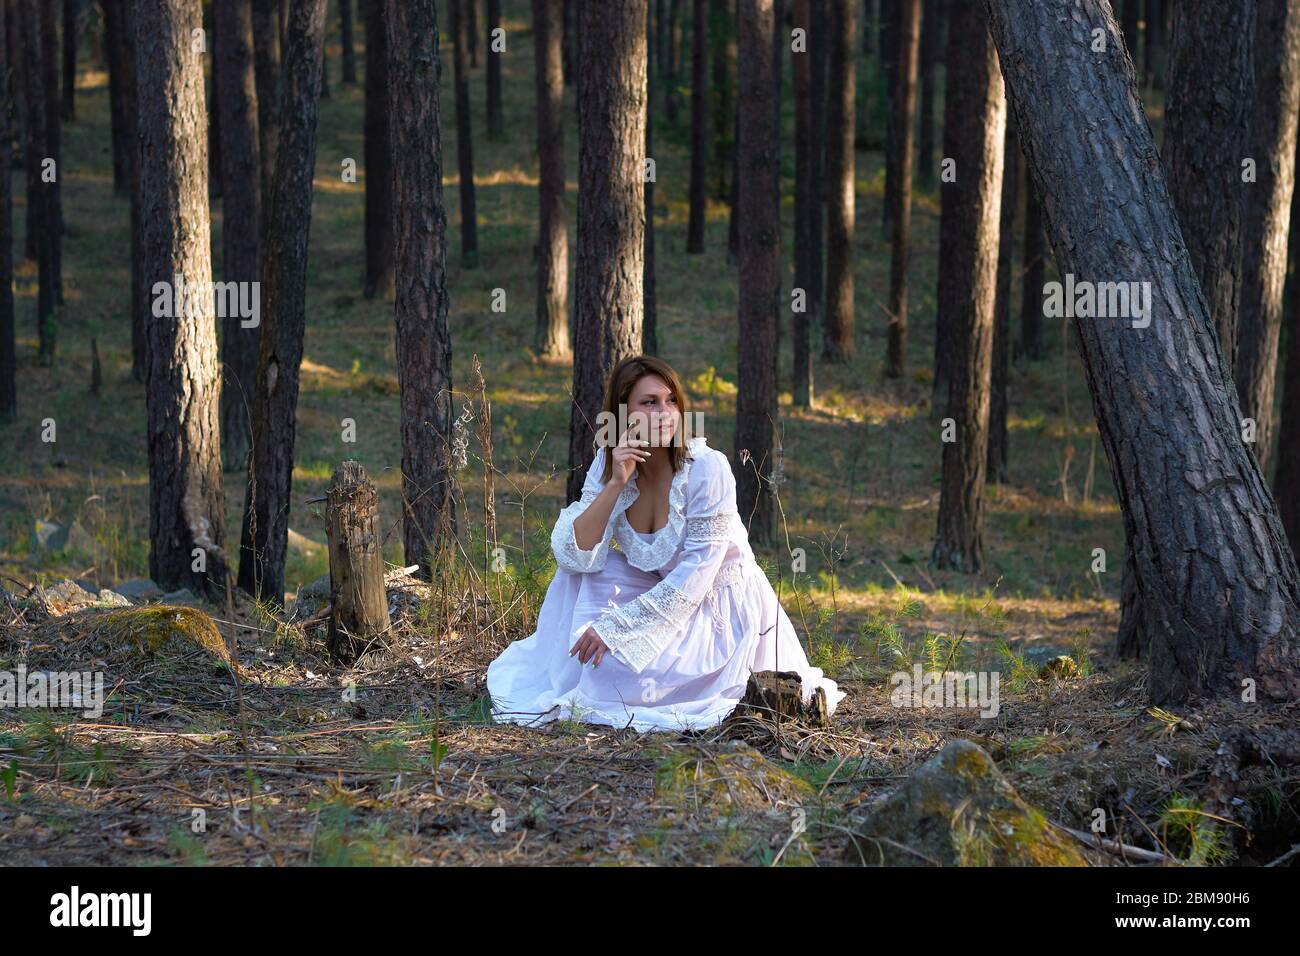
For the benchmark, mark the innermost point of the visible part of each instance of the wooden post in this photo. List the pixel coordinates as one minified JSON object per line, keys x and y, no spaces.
{"x":359,"y":604}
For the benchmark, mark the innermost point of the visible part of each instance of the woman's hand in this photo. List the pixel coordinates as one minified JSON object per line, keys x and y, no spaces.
{"x":629,"y":453}
{"x":589,"y":646}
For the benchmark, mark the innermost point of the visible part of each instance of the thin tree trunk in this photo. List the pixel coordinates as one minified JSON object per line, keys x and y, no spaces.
{"x":1164,"y":401}
{"x":760,"y":270}
{"x":267,"y":504}
{"x":349,"y":55}
{"x":378,"y":157}
{"x":464,"y":140}
{"x":900,"y":200}
{"x":720,"y":34}
{"x":495,"y":111}
{"x":53,"y":144}
{"x":114,"y":50}
{"x":38,"y":191}
{"x":182,"y":380}
{"x":242,"y":219}
{"x":266,"y":64}
{"x":1010,"y":185}
{"x":931,"y":27}
{"x":1211,"y":50}
{"x":807,"y":202}
{"x":1034,"y":264}
{"x":650,"y":305}
{"x":837,"y":327}
{"x":423,"y":334}
{"x":140,"y":309}
{"x":1267,"y":215}
{"x":570,"y":41}
{"x":1286,"y":485}
{"x":8,"y":347}
{"x":552,"y":337}
{"x":71,"y":36}
{"x":611,"y":211}
{"x":699,"y":127}
{"x":470,"y":12}
{"x":1153,"y":59}
{"x":891,"y":12}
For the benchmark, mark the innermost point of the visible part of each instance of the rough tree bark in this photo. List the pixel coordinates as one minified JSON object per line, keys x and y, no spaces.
{"x":423,"y":335}
{"x":358,"y":600}
{"x":974,"y":134}
{"x":611,"y":211}
{"x":552,"y":336}
{"x":837,"y":325}
{"x":378,"y":158}
{"x":899,"y":199}
{"x":760,"y":270}
{"x":1267,"y":214}
{"x":267,"y":503}
{"x":182,"y":383}
{"x":1218,"y":584}
{"x":699,"y":128}
{"x":464,"y":138}
{"x":241,"y":227}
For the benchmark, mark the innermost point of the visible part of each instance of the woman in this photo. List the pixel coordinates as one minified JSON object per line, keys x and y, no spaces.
{"x":661,"y":634}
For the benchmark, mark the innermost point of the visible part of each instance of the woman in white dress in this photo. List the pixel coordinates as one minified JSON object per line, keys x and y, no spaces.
{"x":663,"y":632}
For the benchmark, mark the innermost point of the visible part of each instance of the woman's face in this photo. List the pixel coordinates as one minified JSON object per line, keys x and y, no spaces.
{"x":652,"y":412}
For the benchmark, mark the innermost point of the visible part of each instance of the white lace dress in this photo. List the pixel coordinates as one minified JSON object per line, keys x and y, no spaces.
{"x":686,"y":613}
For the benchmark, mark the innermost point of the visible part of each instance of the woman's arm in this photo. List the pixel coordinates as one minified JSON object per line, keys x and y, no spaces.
{"x":580,"y":539}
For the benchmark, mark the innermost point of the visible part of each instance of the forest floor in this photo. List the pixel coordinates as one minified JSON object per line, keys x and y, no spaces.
{"x":405,"y":766}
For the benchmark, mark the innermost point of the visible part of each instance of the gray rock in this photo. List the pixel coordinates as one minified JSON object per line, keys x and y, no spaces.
{"x":48,"y":537}
{"x":312,"y":597}
{"x":67,"y":596}
{"x":183,"y":596}
{"x":139,"y":590}
{"x":109,"y":598}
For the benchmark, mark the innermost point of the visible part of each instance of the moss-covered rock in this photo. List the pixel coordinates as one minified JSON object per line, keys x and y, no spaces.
{"x":149,"y":629}
{"x":735,"y":777}
{"x":1062,"y":667}
{"x":958,"y":810}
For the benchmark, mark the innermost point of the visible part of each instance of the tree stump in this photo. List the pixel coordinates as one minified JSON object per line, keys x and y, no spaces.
{"x":359,"y":604}
{"x":778,"y":695}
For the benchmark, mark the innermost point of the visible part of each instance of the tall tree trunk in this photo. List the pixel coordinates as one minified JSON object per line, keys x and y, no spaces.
{"x":495,"y":111}
{"x":997,"y":463}
{"x":8,"y":348}
{"x":552,"y":337}
{"x":974,"y":133}
{"x":733,"y":221}
{"x":837,"y":328}
{"x":1267,"y":214}
{"x":53,"y":144}
{"x":611,"y":211}
{"x":284,"y":311}
{"x":569,"y":47}
{"x":1034,"y":265}
{"x":931,"y":27}
{"x":1204,"y":134}
{"x":378,"y":157}
{"x":673,"y":63}
{"x":464,"y":139}
{"x":114,"y":50}
{"x":423,"y":335}
{"x":140,"y":307}
{"x":650,"y":305}
{"x":349,"y":55}
{"x":721,"y":49}
{"x":900,"y":199}
{"x":242,"y":219}
{"x":699,"y":131}
{"x":266,"y":65}
{"x":1153,"y":59}
{"x":1218,"y":584}
{"x":214,"y":114}
{"x":38,"y":191}
{"x":71,"y":36}
{"x":807,"y":201}
{"x":182,"y":381}
{"x":1286,"y":485}
{"x":470,"y":11}
{"x":760,"y":270}
{"x":891,"y":12}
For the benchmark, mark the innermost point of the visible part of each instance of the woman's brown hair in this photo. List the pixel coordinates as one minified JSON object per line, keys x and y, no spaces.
{"x":619,"y":389}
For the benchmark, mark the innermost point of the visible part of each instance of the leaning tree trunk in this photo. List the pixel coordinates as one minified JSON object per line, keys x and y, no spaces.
{"x":699,"y":129}
{"x":611,"y":211}
{"x":464,"y":137}
{"x":760,"y":270}
{"x":998,"y":403}
{"x":495,"y":112}
{"x":900,"y":199}
{"x":837,"y":326}
{"x":552,"y":335}
{"x":8,"y":353}
{"x":974,"y":133}
{"x":266,"y":64}
{"x":1204,"y":135}
{"x":182,"y":383}
{"x":242,"y":221}
{"x":378,"y":158}
{"x":284,"y":311}
{"x":807,"y":202}
{"x":423,"y":335}
{"x":1218,"y":584}
{"x":1267,"y":214}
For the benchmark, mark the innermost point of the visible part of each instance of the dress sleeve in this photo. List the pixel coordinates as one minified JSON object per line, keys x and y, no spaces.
{"x":638,"y":631}
{"x":564,"y":544}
